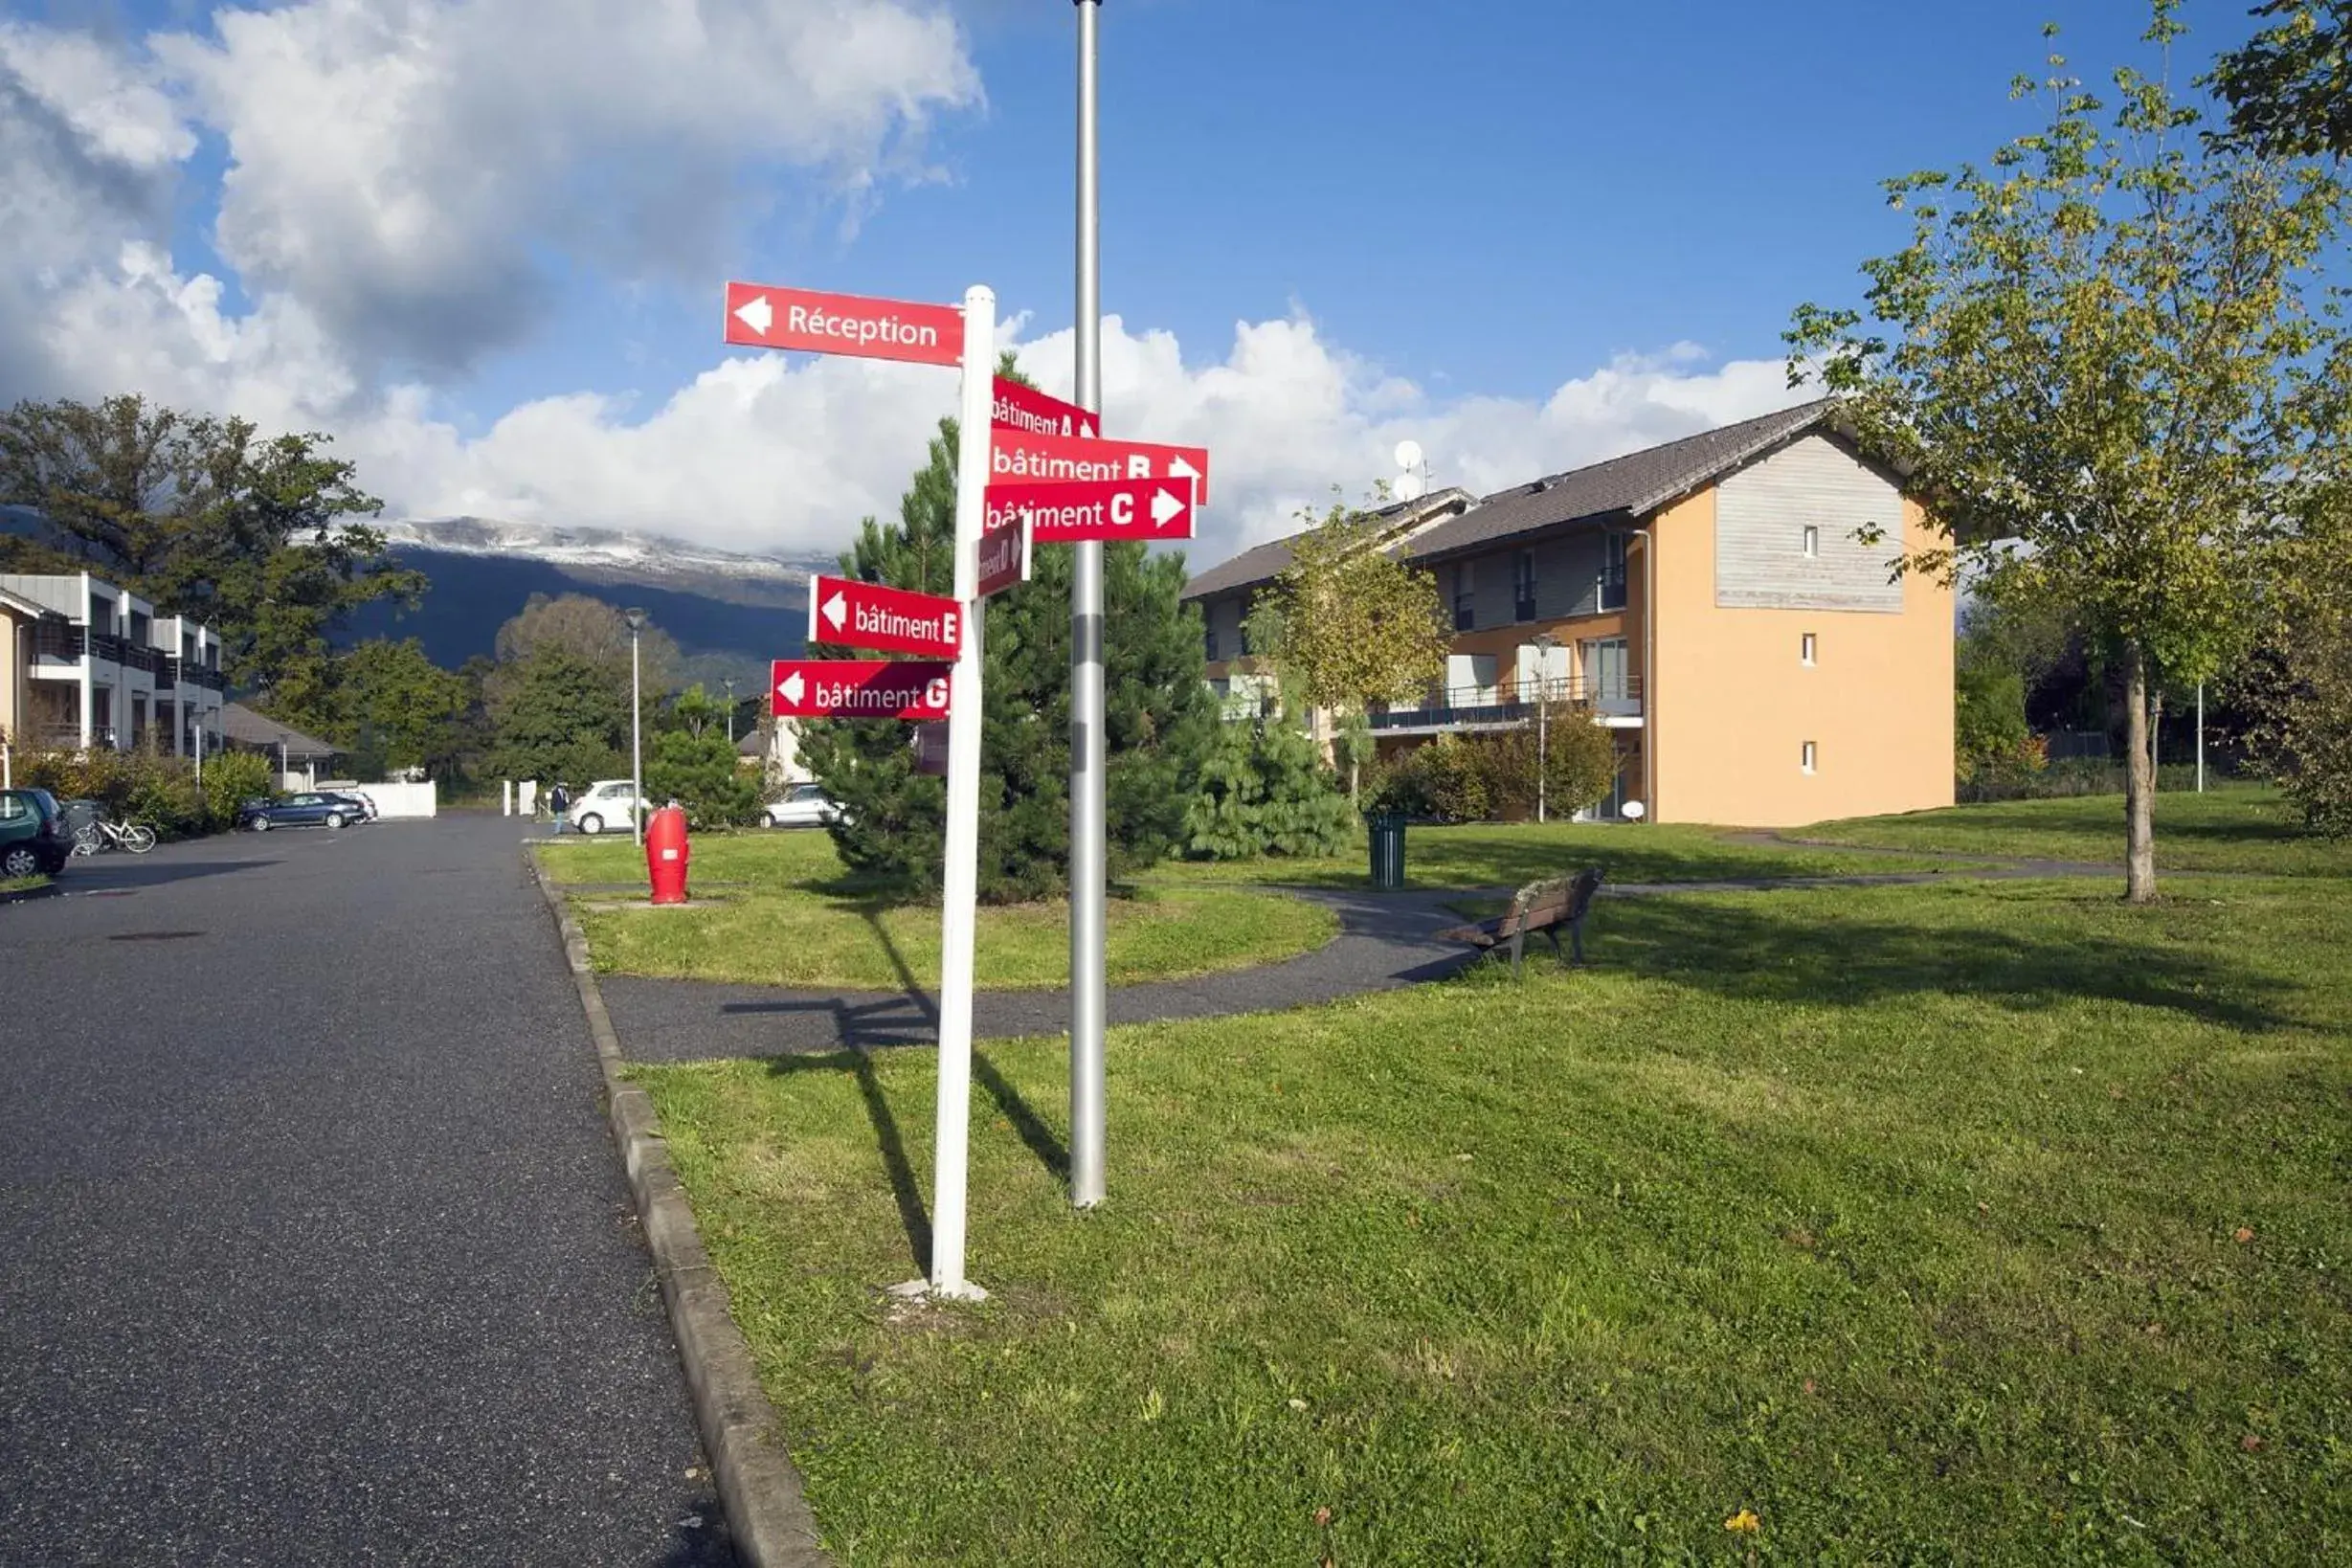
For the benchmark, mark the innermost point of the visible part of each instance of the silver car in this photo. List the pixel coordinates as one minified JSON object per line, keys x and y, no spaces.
{"x":803,"y":805}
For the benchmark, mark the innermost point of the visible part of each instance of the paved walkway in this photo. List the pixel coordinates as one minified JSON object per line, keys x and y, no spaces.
{"x":314,"y":1246}
{"x":1386,"y":940}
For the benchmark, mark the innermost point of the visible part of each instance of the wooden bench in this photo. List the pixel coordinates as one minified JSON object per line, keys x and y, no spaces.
{"x":1542,"y":906}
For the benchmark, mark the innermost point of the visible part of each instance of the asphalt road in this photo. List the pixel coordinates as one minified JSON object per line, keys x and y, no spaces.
{"x":314,"y":1248}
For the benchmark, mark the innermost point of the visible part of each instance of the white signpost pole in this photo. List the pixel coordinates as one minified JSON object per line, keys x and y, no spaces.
{"x":963,"y":867}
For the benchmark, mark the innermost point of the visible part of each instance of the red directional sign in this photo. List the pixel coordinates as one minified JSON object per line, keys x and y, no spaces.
{"x":860,"y":688}
{"x":1064,"y":460}
{"x":1070,"y":514}
{"x":1034,"y":413}
{"x":1004,"y":551}
{"x":761,"y":317}
{"x":870,"y":616}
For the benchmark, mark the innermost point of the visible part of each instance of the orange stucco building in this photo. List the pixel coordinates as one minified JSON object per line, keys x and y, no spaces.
{"x":1787,"y":675}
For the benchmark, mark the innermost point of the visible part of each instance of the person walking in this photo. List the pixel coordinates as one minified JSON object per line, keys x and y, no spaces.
{"x":559,"y":801}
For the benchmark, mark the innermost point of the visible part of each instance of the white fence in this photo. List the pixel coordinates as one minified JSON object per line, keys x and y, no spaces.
{"x":396,"y":800}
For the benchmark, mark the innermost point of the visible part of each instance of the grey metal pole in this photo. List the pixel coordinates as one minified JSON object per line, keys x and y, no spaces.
{"x":636,"y":748}
{"x":1088,"y":849}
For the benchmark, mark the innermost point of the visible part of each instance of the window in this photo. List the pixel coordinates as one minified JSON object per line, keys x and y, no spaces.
{"x":1809,"y":758}
{"x":1613,"y":572}
{"x":1209,"y":642}
{"x":1605,"y":670}
{"x":1523,"y":585}
{"x":1806,"y":648}
{"x":1466,"y":604}
{"x":1812,"y":542}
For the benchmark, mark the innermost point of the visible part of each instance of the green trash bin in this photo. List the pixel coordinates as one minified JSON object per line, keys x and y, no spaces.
{"x":1388,"y":851}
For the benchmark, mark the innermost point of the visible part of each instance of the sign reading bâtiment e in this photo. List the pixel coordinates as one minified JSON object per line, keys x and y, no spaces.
{"x":892,"y":619}
{"x":860,"y":688}
{"x":1061,"y":460}
{"x":761,"y":317}
{"x":1033,"y":413}
{"x":1111,"y":509}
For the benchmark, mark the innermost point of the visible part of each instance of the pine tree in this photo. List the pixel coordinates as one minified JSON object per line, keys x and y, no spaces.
{"x":1159,"y":717}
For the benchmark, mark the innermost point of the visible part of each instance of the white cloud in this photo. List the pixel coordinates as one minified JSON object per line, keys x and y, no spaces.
{"x":400,"y":166}
{"x":397,"y":167}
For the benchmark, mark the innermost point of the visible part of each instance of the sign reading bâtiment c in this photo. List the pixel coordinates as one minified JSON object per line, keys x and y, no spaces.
{"x":761,"y":317}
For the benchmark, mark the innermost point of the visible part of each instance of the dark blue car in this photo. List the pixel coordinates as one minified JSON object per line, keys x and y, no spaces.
{"x":309,"y":808}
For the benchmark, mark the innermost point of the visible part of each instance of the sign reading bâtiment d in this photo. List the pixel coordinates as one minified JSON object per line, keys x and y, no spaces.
{"x":761,"y":317}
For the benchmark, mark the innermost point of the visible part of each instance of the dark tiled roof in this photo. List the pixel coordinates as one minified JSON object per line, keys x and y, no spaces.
{"x":1634,"y":485}
{"x":246,"y":728}
{"x":1264,"y":563}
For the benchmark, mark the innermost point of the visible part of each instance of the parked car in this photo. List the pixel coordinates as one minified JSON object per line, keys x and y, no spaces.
{"x":803,"y":805}
{"x":34,"y":841}
{"x":351,"y":790}
{"x":604,"y":804}
{"x":306,"y":808}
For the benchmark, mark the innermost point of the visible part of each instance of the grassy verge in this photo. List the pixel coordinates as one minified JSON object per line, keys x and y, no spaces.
{"x":23,"y":885}
{"x":1984,"y":1222}
{"x":2240,"y":828}
{"x":784,"y":915}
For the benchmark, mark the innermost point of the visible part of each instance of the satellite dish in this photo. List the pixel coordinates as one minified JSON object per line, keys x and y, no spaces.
{"x":1409,"y":486}
{"x":1633,"y":810}
{"x":1408,"y":455}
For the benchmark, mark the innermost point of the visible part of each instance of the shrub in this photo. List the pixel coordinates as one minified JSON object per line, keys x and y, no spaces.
{"x":159,"y":791}
{"x":1264,"y":792}
{"x":1446,"y":779}
{"x":699,"y":773}
{"x":231,"y":777}
{"x":1576,"y":758}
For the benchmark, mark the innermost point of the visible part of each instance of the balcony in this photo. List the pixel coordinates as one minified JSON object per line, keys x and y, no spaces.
{"x":58,"y":640}
{"x":1496,"y":708}
{"x":1612,"y":591}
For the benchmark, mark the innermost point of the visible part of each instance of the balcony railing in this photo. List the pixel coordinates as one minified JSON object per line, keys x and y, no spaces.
{"x":1474,"y":707}
{"x":54,"y":640}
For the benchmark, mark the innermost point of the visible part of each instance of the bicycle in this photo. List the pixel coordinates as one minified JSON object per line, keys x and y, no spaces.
{"x":132,"y":837}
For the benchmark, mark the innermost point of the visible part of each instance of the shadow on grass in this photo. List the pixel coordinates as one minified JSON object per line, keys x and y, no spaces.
{"x":1764,"y":948}
{"x":905,"y":1190}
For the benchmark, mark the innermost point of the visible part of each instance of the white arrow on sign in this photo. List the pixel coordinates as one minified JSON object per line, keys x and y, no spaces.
{"x":1178,"y":468}
{"x":836,"y":610}
{"x":1166,"y":508}
{"x":792,"y":687}
{"x":756,"y":313}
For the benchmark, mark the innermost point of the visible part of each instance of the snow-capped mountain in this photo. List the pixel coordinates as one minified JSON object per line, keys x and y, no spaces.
{"x":729,"y":612}
{"x":594,"y":550}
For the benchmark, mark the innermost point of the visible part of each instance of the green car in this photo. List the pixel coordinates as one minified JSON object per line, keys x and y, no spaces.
{"x":33,"y":838}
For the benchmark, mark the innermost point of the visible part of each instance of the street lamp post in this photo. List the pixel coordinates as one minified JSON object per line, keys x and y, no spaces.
{"x":1545,"y":642}
{"x":637,"y":751}
{"x":731,"y":712}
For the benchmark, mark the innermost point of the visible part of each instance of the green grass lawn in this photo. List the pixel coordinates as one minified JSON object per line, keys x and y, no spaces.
{"x":22,"y":884}
{"x":784,"y":913}
{"x":2239,"y":828}
{"x":1988,"y":1223}
{"x":1510,"y":854}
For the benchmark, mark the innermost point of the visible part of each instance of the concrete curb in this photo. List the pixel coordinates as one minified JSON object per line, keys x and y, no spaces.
{"x":766,"y":1514}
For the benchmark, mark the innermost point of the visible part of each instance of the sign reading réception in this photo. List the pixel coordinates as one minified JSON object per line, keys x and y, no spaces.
{"x":759,"y":316}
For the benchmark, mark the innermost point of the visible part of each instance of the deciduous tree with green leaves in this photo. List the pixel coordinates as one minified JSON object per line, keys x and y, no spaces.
{"x":2093,"y":360}
{"x":1345,"y":626}
{"x":392,"y":706}
{"x":2290,"y":86}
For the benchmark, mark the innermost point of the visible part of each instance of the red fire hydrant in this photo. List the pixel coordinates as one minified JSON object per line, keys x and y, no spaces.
{"x":666,"y":853}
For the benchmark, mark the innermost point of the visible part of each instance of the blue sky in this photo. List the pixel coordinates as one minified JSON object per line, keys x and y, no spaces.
{"x":1489,"y":225}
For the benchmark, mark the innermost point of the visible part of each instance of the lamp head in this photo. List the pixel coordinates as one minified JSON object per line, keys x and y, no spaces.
{"x":636,"y":619}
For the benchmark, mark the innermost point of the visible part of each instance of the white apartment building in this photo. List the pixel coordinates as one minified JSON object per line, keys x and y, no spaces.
{"x":104,"y":670}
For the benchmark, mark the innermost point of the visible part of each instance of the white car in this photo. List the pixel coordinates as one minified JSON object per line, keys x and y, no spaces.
{"x":604,"y":804}
{"x":803,"y":805}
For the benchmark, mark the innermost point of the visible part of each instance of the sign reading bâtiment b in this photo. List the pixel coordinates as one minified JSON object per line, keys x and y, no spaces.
{"x":892,"y":619}
{"x":761,"y":317}
{"x":1057,"y":460}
